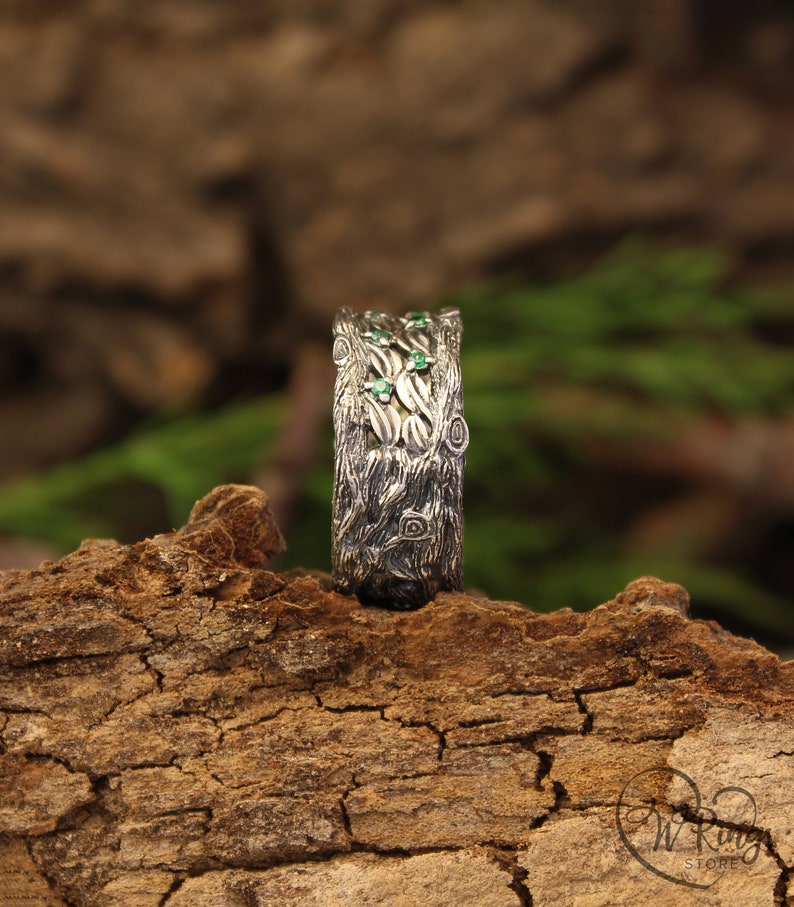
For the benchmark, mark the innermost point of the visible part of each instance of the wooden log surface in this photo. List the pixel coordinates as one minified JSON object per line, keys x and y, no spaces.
{"x":181,"y":726}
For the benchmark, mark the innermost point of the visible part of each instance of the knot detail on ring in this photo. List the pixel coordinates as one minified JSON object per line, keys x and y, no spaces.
{"x":415,"y":526}
{"x":457,"y":435}
{"x":341,"y":350}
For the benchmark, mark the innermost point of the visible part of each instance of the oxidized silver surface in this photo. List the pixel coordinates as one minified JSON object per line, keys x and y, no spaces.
{"x":400,"y":440}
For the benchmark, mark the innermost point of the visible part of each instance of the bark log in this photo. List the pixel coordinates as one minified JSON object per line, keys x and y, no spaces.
{"x":181,"y":726}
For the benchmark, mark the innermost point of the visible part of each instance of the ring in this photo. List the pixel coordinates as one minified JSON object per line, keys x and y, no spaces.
{"x":398,"y":472}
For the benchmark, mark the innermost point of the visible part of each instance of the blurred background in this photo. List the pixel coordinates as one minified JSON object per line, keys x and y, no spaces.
{"x":190,"y":189}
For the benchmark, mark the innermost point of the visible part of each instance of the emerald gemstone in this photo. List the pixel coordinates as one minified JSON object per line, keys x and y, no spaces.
{"x":418,"y":318}
{"x":381,"y":387}
{"x":379,"y":336}
{"x":418,"y":358}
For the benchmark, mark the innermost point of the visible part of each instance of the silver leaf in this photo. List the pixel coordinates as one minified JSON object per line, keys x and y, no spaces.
{"x":416,"y":433}
{"x":413,"y":394}
{"x":385,"y":421}
{"x":385,"y":362}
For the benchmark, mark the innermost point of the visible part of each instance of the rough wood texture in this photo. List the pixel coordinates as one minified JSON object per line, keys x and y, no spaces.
{"x":180,"y":726}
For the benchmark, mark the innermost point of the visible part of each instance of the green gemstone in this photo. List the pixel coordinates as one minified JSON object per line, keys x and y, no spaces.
{"x":418,"y":318}
{"x":381,"y":386}
{"x":418,"y":358}
{"x":379,"y":336}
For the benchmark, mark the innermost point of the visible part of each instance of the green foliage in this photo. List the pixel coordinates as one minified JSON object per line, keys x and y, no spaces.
{"x":96,"y":496}
{"x":642,"y":347}
{"x":657,"y":326}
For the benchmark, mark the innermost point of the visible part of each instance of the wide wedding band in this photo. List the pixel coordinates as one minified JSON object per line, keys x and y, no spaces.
{"x":400,"y":442}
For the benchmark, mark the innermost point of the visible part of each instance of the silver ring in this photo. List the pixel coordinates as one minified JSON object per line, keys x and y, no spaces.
{"x":400,"y":442}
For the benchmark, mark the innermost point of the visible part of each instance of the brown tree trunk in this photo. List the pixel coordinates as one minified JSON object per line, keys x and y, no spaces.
{"x":180,"y":726}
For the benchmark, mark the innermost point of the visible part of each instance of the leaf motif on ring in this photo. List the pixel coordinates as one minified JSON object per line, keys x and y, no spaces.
{"x":385,"y":422}
{"x":386,"y":362}
{"x":457,"y":438}
{"x":419,"y":341}
{"x":415,"y":526}
{"x":413,"y":394}
{"x":416,"y":433}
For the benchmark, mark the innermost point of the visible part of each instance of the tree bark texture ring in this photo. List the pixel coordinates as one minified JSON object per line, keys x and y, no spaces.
{"x":400,"y":442}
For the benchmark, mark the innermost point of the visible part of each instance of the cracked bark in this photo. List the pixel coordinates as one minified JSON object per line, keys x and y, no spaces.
{"x":181,"y":726}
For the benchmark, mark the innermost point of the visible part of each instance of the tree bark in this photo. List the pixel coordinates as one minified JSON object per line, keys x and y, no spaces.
{"x":180,"y":726}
